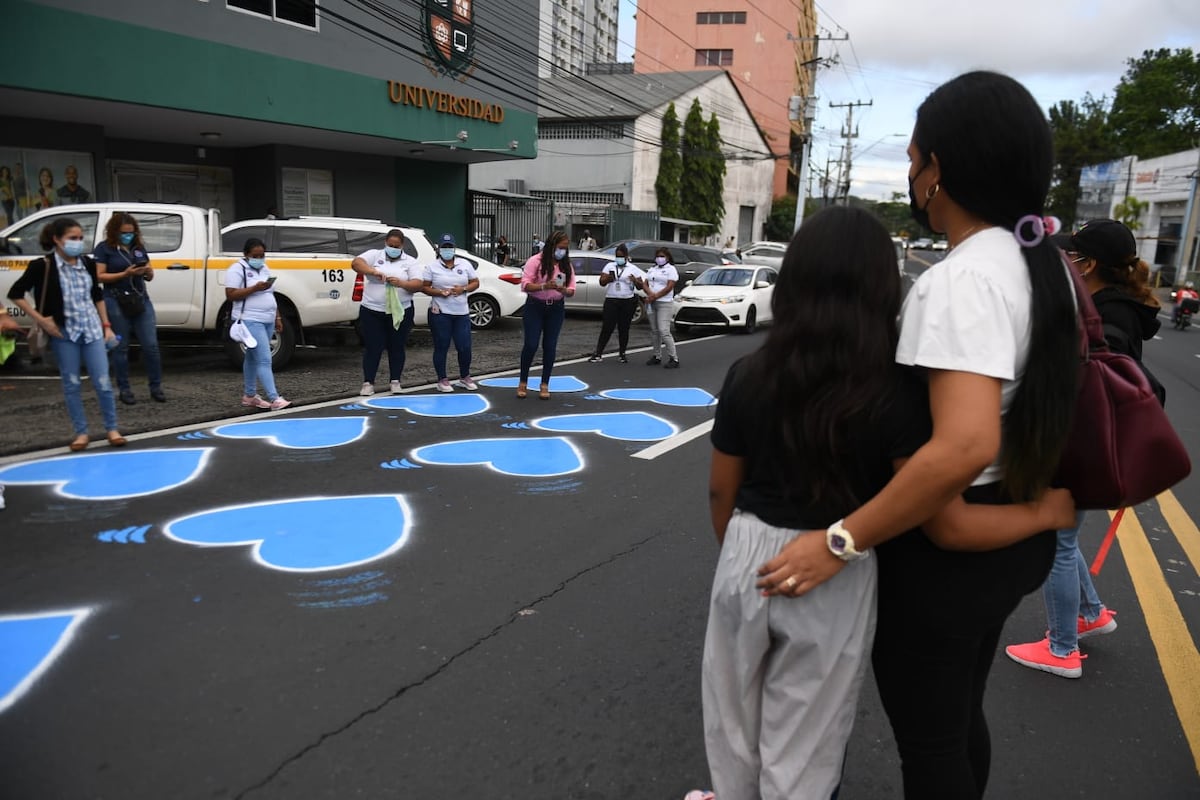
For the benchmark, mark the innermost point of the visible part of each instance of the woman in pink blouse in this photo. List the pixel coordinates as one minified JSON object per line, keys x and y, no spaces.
{"x":547,"y":280}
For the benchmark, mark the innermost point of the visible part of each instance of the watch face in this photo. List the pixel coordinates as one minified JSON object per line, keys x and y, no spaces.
{"x":838,"y":542}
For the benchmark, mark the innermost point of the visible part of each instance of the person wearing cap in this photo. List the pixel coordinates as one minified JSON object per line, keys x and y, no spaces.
{"x":448,"y":280}
{"x":1104,"y":253}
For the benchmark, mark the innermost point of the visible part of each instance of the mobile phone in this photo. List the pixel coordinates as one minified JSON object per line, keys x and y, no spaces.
{"x":271,"y":281}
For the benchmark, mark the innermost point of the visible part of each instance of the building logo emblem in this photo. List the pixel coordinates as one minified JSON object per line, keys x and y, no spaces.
{"x":450,"y":35}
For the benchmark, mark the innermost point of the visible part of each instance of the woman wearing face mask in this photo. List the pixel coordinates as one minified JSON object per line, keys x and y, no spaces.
{"x":385,"y":318}
{"x":546,"y":281}
{"x":659,"y":286}
{"x":448,"y":281}
{"x":71,"y":309}
{"x":249,"y":285}
{"x":124,"y":267}
{"x":619,"y":302}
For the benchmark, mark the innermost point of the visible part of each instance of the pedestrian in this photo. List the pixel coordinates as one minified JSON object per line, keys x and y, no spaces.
{"x":547,"y":281}
{"x":385,"y":317}
{"x":503,"y":251}
{"x":9,"y":331}
{"x":124,"y":268}
{"x":587,"y":242}
{"x":728,"y":243}
{"x":994,"y":328}
{"x":251,"y":287}
{"x":620,"y":302}
{"x":538,"y":245}
{"x":799,"y":434}
{"x":1104,"y":252}
{"x":1186,"y":298}
{"x":448,"y":280}
{"x":659,"y":286}
{"x":70,"y":308}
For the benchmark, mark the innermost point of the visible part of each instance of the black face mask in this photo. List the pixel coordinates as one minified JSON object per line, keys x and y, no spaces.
{"x":920,"y":215}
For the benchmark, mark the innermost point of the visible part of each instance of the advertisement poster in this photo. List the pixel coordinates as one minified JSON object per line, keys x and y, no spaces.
{"x":35,"y":179}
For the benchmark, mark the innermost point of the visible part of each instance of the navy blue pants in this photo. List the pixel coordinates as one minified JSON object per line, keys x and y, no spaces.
{"x":378,"y":335}
{"x":543,"y":322}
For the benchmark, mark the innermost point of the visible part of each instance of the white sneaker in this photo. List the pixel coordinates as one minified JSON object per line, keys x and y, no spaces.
{"x":279,"y":403}
{"x":467,"y":383}
{"x":395,"y":387}
{"x":367,"y":390}
{"x":444,"y":386}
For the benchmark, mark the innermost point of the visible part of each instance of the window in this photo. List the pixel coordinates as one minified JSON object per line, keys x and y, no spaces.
{"x":24,"y":240}
{"x":234,"y":241}
{"x":308,"y":240}
{"x":581,"y":130}
{"x":161,"y":233}
{"x":589,"y":266}
{"x":714,"y":58}
{"x":721,"y":18}
{"x":767,"y":276}
{"x":297,"y":12}
{"x":583,"y":198}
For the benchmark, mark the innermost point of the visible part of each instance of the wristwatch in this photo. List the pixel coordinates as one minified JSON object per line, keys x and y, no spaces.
{"x":841,"y":543}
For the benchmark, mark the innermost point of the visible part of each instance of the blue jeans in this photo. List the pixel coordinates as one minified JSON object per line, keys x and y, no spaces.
{"x":541,"y":322}
{"x":1069,"y":592}
{"x":379,"y":334}
{"x":145,"y":327}
{"x":446,"y":327}
{"x":257,"y":363}
{"x":71,"y":358}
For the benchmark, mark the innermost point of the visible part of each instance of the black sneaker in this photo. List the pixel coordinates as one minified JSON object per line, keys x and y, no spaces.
{"x":127,"y":397}
{"x":158,"y":396}
{"x":595,"y":359}
{"x":653,"y":361}
{"x":623,"y":359}
{"x":672,"y":364}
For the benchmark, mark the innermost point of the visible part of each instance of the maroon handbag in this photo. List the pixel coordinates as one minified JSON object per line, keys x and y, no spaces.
{"x":1122,"y":449}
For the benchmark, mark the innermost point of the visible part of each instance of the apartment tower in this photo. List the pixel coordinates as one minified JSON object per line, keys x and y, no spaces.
{"x":575,"y":33}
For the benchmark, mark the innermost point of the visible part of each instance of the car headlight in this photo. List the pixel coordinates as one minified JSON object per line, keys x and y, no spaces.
{"x":733,"y":298}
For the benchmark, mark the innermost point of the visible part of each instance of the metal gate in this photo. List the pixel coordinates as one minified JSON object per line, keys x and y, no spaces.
{"x":519,"y":218}
{"x":624,"y":224}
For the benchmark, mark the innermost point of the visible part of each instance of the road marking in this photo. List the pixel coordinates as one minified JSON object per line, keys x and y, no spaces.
{"x":1182,"y":526}
{"x":1177,"y":654}
{"x":667,"y":445}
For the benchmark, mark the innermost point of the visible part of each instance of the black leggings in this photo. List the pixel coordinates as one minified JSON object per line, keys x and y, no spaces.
{"x":618,"y":313}
{"x":939,"y":624}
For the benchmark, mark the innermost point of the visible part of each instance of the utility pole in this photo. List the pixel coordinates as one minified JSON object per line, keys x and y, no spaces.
{"x":805,"y":110}
{"x":850,"y":133}
{"x":1191,"y":222}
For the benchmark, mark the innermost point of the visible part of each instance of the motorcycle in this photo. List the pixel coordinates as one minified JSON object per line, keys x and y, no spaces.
{"x":1184,"y":309}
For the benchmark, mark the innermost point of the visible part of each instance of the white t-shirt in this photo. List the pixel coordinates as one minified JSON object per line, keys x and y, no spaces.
{"x":971,"y":312}
{"x":659,"y":277}
{"x":622,"y":287}
{"x":259,"y":306}
{"x":443,"y":277}
{"x":405,"y":268}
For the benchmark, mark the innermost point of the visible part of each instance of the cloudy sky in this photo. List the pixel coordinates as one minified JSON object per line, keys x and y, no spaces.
{"x":898,"y":52}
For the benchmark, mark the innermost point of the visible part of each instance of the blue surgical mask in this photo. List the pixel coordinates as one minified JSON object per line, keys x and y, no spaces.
{"x":393,"y":252}
{"x":127,"y":238}
{"x":256,"y":263}
{"x":559,"y":254}
{"x":447,"y":253}
{"x":660,"y":260}
{"x":620,"y":261}
{"x":74,"y":247}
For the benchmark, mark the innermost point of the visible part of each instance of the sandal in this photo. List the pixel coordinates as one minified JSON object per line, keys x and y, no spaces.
{"x":522,"y":391}
{"x":544,"y":392}
{"x":115,"y":439}
{"x":79,"y":443}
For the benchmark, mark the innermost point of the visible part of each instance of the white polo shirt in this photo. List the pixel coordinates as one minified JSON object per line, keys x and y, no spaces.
{"x":259,"y":306}
{"x":621,"y":288}
{"x":442,"y":277}
{"x":659,"y":277}
{"x":406,"y":268}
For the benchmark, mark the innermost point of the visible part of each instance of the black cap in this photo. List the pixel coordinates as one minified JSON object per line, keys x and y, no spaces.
{"x":1106,"y":240}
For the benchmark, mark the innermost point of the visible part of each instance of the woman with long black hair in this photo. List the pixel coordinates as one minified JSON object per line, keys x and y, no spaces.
{"x":993,"y":327}
{"x":547,"y":280}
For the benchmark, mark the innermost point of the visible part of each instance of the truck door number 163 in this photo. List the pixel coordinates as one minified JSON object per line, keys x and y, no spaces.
{"x":333,"y":275}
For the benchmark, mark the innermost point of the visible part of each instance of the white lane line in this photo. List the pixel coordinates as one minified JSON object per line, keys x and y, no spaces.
{"x":667,"y":445}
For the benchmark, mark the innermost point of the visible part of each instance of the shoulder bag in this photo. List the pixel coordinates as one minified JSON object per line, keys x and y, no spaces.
{"x":38,"y":339}
{"x":128,"y":298}
{"x":1122,"y":449}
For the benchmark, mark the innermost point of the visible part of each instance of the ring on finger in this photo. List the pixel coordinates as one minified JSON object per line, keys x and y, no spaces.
{"x":790,"y":583}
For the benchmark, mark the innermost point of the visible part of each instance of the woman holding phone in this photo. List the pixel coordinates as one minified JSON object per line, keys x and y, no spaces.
{"x":547,"y":280}
{"x":249,"y":284}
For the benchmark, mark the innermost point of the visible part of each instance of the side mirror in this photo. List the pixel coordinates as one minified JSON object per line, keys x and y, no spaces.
{"x":761,"y":285}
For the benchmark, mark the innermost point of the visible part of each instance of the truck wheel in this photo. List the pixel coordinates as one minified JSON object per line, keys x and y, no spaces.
{"x":283,"y":345}
{"x":639,"y":313}
{"x":484,"y":311}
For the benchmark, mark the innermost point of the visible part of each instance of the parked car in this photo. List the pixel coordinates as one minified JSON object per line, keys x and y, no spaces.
{"x":690,"y":260}
{"x":727,"y":297}
{"x":768,"y":253}
{"x":589,"y":294}
{"x":731,"y":257}
{"x":940,"y":244}
{"x":923,"y":243}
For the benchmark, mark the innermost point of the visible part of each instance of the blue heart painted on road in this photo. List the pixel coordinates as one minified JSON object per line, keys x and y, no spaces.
{"x":433,"y":405}
{"x":29,"y":644}
{"x":299,"y":433}
{"x":114,"y":474}
{"x":667,"y":396}
{"x":630,"y":426}
{"x":558,"y":383}
{"x":303,"y":535}
{"x":537,"y":457}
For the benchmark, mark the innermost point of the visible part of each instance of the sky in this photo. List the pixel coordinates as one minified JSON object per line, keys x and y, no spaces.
{"x":898,"y":53}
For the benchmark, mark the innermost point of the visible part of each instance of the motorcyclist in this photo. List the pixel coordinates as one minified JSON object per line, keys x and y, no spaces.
{"x":1185,"y":295}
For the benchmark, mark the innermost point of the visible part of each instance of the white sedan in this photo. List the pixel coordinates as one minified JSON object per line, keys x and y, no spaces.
{"x":499,"y":294}
{"x":727,"y":297}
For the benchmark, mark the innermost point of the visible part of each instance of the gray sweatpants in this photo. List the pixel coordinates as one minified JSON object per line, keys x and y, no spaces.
{"x":658,"y":314}
{"x":781,"y":675}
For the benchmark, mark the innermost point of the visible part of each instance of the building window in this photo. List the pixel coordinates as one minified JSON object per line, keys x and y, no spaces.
{"x":721,"y":18}
{"x":296,"y":12}
{"x":581,"y":198}
{"x":581,"y":130}
{"x":714,"y":58}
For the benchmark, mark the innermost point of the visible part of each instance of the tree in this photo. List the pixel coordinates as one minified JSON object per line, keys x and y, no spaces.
{"x":714,"y":172}
{"x":1130,"y":212}
{"x":778,"y":227}
{"x":670,"y":166}
{"x":1082,"y":137}
{"x":1156,"y":108}
{"x":695,"y":162}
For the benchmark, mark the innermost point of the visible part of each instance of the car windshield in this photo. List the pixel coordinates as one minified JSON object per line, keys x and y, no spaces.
{"x":724,"y":277}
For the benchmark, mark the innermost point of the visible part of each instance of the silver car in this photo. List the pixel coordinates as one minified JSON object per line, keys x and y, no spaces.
{"x":768,"y":254}
{"x":589,"y":294}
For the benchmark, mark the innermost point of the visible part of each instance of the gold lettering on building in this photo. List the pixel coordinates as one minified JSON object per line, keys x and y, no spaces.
{"x":444,"y":102}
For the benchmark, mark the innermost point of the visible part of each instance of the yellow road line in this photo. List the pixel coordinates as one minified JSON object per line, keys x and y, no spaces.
{"x":1177,"y":654}
{"x":1182,"y":526}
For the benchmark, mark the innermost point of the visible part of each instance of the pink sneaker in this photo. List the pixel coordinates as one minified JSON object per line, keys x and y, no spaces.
{"x":699,"y":794}
{"x":1037,"y":655}
{"x":254,"y":401}
{"x":278,"y":403}
{"x":1101,"y":624}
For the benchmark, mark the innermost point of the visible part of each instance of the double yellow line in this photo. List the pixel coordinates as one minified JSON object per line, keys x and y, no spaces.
{"x":1172,"y":640}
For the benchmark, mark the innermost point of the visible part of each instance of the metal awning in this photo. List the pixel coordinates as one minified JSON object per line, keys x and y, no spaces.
{"x":691,"y":223}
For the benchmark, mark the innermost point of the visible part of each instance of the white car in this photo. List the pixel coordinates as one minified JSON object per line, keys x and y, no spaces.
{"x":727,"y":297}
{"x":767,"y":253}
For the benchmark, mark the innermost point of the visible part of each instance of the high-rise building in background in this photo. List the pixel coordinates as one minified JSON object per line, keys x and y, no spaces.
{"x":767,"y":46}
{"x":575,"y":33}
